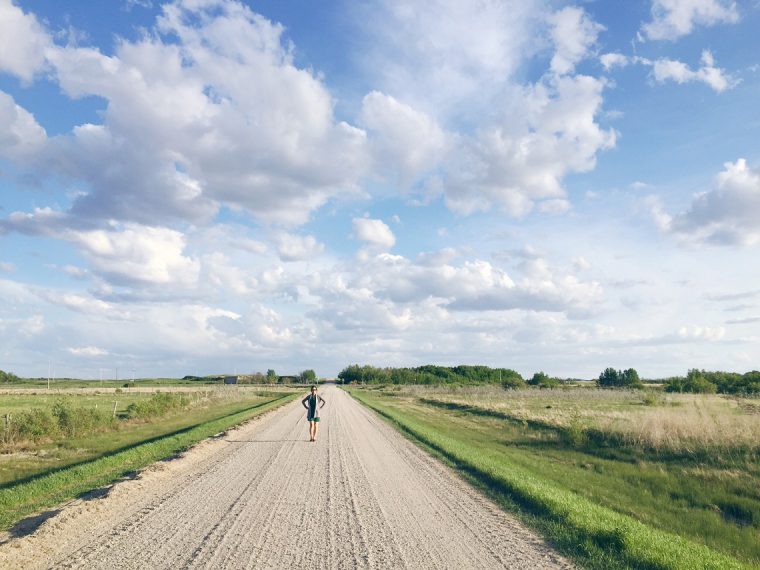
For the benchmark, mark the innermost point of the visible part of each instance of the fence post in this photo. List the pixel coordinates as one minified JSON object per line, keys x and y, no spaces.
{"x":114,"y":408}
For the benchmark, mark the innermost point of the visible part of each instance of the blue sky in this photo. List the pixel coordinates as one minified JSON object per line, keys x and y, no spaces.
{"x":202,"y":186}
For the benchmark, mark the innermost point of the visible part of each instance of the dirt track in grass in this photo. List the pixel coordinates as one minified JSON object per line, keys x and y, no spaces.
{"x":263,"y":496}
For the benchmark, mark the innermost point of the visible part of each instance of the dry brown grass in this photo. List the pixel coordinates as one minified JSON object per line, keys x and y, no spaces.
{"x":675,"y":422}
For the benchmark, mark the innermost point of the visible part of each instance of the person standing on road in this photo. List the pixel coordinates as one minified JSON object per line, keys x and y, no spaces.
{"x":313,"y":403}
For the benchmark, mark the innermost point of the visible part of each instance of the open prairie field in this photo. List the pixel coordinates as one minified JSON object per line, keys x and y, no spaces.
{"x":666,"y":464}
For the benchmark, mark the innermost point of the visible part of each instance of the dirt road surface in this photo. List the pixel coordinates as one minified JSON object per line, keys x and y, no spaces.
{"x":263,"y":496}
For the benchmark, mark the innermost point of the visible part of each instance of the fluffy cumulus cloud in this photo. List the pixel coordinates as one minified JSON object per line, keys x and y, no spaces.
{"x":665,"y":69}
{"x":375,"y":233}
{"x":293,"y":247}
{"x":472,"y":285}
{"x":728,"y":214}
{"x":124,"y":254}
{"x":516,"y":141}
{"x":23,"y":42}
{"x":574,"y":34}
{"x":523,"y":159}
{"x":20,"y":135}
{"x":407,"y":140}
{"x":672,"y":70}
{"x":209,"y":109}
{"x":672,"y":19}
{"x":205,"y":110}
{"x":428,"y":56}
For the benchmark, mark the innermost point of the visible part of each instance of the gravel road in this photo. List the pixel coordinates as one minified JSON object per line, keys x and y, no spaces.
{"x":262,"y":496}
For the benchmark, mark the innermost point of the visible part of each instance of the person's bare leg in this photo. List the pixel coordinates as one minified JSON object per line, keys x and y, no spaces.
{"x":316,"y":427}
{"x":312,"y":430}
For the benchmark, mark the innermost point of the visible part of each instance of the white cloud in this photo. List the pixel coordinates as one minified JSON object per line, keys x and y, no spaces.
{"x":404,"y":139}
{"x":428,"y":55}
{"x":374,"y":232}
{"x":507,"y":144}
{"x":87,"y":351}
{"x":7,"y":267}
{"x":86,"y":304}
{"x":728,"y":214}
{"x":293,"y":247}
{"x":551,"y":133}
{"x":581,"y":263}
{"x":208,"y":109}
{"x":23,"y":42}
{"x":474,"y":285}
{"x":701,"y":333}
{"x":717,"y":79}
{"x":20,"y":134}
{"x":672,"y":19}
{"x":132,"y":254}
{"x":574,"y":34}
{"x":613,"y":60}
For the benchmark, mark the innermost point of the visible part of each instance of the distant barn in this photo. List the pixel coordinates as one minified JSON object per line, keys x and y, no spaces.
{"x":230,"y":379}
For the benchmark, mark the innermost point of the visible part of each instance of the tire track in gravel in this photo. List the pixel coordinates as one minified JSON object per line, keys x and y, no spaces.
{"x":264,"y":497}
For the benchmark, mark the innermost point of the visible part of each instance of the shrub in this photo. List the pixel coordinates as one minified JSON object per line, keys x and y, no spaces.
{"x":543,"y":380}
{"x":77,"y":421}
{"x":34,"y":424}
{"x":157,"y":405}
{"x":650,"y":399}
{"x":512,"y":383}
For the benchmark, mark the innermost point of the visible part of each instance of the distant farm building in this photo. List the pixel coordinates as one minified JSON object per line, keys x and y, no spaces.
{"x":230,"y":379}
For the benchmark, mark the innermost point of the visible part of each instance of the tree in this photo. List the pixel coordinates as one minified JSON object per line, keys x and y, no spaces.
{"x":608,"y":378}
{"x":271,"y":376}
{"x":308,"y":377}
{"x":630,"y":379}
{"x":611,"y":378}
{"x":351,"y":373}
{"x":8,"y":377}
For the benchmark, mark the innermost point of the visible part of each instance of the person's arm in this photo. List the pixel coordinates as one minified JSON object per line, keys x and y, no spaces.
{"x":303,"y":402}
{"x":323,"y":402}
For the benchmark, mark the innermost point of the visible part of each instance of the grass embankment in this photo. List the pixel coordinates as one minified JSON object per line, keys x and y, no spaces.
{"x":47,"y":432}
{"x":600,"y":504}
{"x":50,"y":489}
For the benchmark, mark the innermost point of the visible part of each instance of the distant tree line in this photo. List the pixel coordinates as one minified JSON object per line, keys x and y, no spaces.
{"x":271,"y":377}
{"x":8,"y":377}
{"x":705,"y":382}
{"x":431,"y":374}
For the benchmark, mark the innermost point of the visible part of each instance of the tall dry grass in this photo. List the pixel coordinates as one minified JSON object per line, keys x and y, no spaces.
{"x":684,"y":423}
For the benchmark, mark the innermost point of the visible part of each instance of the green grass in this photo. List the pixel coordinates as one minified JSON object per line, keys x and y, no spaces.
{"x":604,"y":510}
{"x":69,"y":383}
{"x":32,"y":459}
{"x":13,"y":403}
{"x":48,"y":490}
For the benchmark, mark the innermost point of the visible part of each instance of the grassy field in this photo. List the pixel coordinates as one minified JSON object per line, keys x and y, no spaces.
{"x":23,"y":459}
{"x":49,"y":489}
{"x":683,"y":465}
{"x":69,"y":383}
